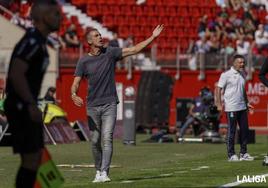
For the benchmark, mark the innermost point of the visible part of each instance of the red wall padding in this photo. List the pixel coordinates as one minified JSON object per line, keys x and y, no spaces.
{"x":187,"y":86}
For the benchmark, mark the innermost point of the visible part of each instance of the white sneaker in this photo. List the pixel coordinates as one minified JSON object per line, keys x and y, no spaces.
{"x":246,"y":157}
{"x":104,"y":177}
{"x":98,"y":177}
{"x":233,"y":158}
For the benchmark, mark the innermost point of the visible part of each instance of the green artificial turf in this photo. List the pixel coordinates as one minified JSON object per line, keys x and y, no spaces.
{"x":150,"y":165}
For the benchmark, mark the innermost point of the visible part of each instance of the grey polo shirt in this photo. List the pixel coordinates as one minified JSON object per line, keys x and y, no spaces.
{"x":233,"y":84}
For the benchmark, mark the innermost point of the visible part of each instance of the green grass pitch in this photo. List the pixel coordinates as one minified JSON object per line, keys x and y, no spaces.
{"x":150,"y":165}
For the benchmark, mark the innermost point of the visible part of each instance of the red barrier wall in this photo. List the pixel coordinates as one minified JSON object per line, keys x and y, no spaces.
{"x":187,"y":86}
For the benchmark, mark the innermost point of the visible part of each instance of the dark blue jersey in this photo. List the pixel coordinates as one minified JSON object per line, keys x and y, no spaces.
{"x":31,"y":49}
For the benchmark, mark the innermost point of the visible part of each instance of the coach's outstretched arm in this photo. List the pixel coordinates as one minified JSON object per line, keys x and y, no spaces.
{"x":140,"y":46}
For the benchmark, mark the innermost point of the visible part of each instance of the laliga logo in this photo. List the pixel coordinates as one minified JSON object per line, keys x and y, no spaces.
{"x":251,"y":179}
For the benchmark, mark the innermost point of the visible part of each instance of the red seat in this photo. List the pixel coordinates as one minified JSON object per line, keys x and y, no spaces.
{"x":171,"y":3}
{"x":124,"y":31}
{"x":121,"y":20}
{"x":74,"y":20}
{"x":154,"y":2}
{"x":137,"y":10}
{"x":195,"y":12}
{"x":126,"y":10}
{"x":142,"y":20}
{"x":92,"y":10}
{"x":183,"y":12}
{"x":106,"y":10}
{"x":183,"y":3}
{"x":136,"y":31}
{"x":90,"y":2}
{"x":180,"y":17}
{"x":161,"y":11}
{"x":108,"y":21}
{"x":172,"y":11}
{"x":80,"y":33}
{"x":195,"y":3}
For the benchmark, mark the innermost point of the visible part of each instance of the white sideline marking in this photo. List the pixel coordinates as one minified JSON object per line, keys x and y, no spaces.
{"x":165,"y":175}
{"x":179,"y":154}
{"x":204,"y":167}
{"x":180,"y":172}
{"x":83,"y":166}
{"x":151,"y":169}
{"x":237,"y":183}
{"x":200,"y":168}
{"x":72,"y":170}
{"x":127,"y":181}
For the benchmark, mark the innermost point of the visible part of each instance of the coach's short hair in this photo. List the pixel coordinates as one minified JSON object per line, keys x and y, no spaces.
{"x":89,"y":31}
{"x":39,"y":6}
{"x":238,"y":56}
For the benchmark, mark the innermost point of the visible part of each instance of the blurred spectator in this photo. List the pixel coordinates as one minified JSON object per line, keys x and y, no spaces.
{"x":128,"y":42}
{"x":242,"y":46}
{"x":16,"y":19}
{"x":114,"y":42}
{"x":201,"y":45}
{"x":260,"y":4}
{"x":236,"y":4}
{"x":2,"y":100}
{"x":56,"y":41}
{"x":202,"y":28}
{"x":62,"y":2}
{"x":249,"y":28}
{"x":261,"y":37}
{"x":266,"y":23}
{"x":229,"y":48}
{"x":128,"y":61}
{"x":222,"y":3}
{"x":50,"y":95}
{"x":70,"y":37}
{"x":223,"y":12}
{"x":246,"y":4}
{"x":234,"y":20}
{"x":6,"y":3}
{"x":196,"y":110}
{"x":218,"y":26}
{"x":213,"y":43}
{"x":229,"y":31}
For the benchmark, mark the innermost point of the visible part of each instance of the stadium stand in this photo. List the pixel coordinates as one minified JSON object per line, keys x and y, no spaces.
{"x":180,"y":17}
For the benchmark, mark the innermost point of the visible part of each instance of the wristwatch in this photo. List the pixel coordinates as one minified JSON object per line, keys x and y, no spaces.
{"x":73,"y":94}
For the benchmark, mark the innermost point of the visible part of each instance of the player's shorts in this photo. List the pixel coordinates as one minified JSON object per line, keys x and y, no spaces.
{"x":27,"y":136}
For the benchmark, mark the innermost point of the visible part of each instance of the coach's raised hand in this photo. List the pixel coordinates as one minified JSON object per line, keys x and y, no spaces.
{"x":158,"y":30}
{"x":140,"y":46}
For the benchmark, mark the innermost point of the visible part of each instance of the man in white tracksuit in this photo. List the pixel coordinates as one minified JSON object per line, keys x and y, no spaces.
{"x":232,"y":83}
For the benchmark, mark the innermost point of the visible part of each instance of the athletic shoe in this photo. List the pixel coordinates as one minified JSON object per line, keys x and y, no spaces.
{"x":233,"y":158}
{"x":104,"y":177}
{"x":246,"y":157}
{"x":98,"y":177}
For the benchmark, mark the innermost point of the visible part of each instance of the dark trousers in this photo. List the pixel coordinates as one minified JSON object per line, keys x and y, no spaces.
{"x":234,"y":118}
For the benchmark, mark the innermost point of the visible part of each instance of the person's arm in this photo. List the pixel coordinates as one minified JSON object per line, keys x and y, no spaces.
{"x":191,"y":110}
{"x":21,"y":86}
{"x":71,"y":40}
{"x":263,"y":72}
{"x":140,"y":46}
{"x":18,"y":79}
{"x":78,"y":101}
{"x":218,"y":100}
